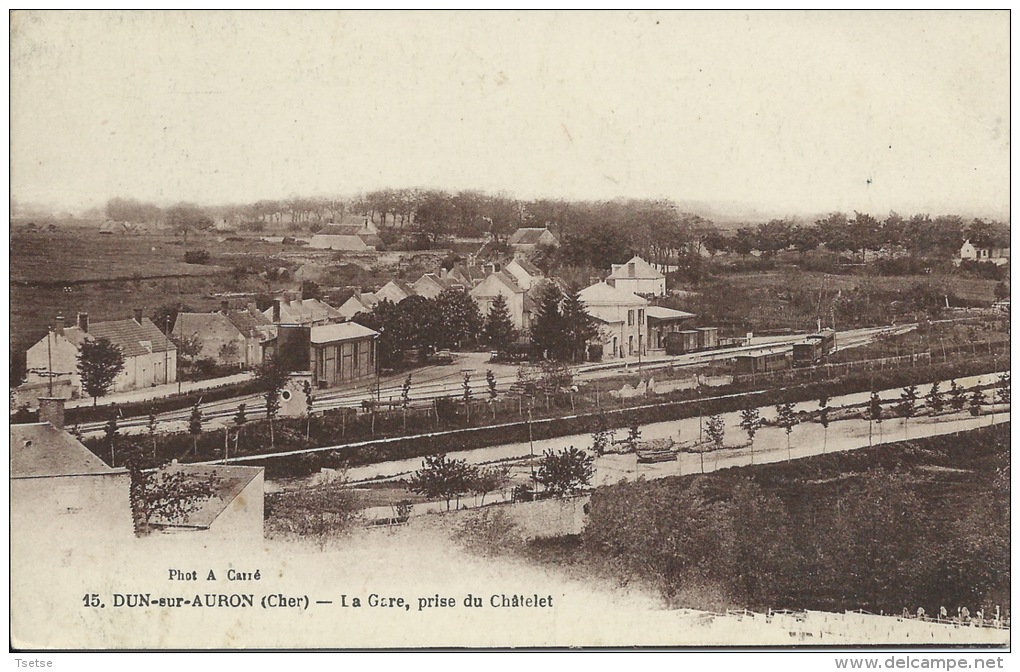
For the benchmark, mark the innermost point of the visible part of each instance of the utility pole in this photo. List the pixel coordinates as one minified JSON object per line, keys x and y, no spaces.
{"x":180,"y":341}
{"x":166,"y":351}
{"x":531,"y":443}
{"x":49,"y":363}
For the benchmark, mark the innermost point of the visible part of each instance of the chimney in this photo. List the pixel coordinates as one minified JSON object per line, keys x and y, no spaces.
{"x":58,"y":327}
{"x":83,"y":322}
{"x":224,"y":306}
{"x":51,"y":410}
{"x":138,"y":315}
{"x":276,"y":311}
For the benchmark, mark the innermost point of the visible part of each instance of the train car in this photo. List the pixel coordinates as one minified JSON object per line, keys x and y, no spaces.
{"x":681,"y":342}
{"x":807,"y":352}
{"x":814,"y":348}
{"x":768,"y":362}
{"x":708,"y":338}
{"x":827,"y":337}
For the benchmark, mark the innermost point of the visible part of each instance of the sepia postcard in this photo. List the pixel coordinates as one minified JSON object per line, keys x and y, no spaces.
{"x":360,"y":330}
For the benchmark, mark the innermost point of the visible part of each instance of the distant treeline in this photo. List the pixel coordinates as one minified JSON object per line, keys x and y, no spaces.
{"x":603,"y":231}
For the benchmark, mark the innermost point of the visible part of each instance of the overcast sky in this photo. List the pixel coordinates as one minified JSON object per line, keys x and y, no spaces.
{"x":781,"y":111}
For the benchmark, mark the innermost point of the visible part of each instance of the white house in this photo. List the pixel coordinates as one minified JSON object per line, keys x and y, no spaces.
{"x":519,"y":304}
{"x":62,"y":494}
{"x":638,"y":277}
{"x":431,"y":285}
{"x":525,"y":273}
{"x":394,"y":291}
{"x":150,"y":357}
{"x":996,"y":255}
{"x":622,"y":317}
{"x":359,"y":302}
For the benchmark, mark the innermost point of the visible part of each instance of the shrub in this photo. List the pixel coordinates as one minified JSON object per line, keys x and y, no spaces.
{"x":196,"y":256}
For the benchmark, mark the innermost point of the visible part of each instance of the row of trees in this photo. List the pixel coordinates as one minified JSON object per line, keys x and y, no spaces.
{"x":561,"y":328}
{"x":921,"y":235}
{"x":561,"y":473}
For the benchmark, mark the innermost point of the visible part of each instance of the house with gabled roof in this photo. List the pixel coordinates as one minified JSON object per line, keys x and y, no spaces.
{"x":394,"y":291}
{"x":526,"y":240}
{"x":622,"y":317}
{"x":352,"y":233}
{"x":637,"y":276}
{"x":525,"y":273}
{"x":998,"y":255}
{"x":431,"y":285}
{"x":150,"y":357}
{"x":520,"y":304}
{"x":308,"y":312}
{"x":227,"y":337}
{"x":470,"y":275}
{"x":358,"y":302}
{"x":61,"y":492}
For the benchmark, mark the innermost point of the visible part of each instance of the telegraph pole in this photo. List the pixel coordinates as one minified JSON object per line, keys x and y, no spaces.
{"x":49,"y":363}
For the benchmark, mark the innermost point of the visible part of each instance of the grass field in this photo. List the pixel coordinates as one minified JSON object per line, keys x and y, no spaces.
{"x":77,"y":269}
{"x":792,"y":298}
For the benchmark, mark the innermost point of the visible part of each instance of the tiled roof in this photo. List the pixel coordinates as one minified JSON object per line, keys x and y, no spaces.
{"x":509,"y":280}
{"x":41,"y":449}
{"x":204,"y":325}
{"x":526,"y":236}
{"x":472,"y":273}
{"x":228,"y":484}
{"x":129,"y":335}
{"x":304,"y":311}
{"x":248,"y":321}
{"x":529,"y":267}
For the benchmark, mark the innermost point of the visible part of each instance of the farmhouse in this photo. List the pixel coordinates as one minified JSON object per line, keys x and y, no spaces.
{"x":638,"y":277}
{"x":150,"y":357}
{"x":354,"y":234}
{"x":622,"y":314}
{"x":228,"y":337}
{"x":996,"y":255}
{"x":524,"y":241}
